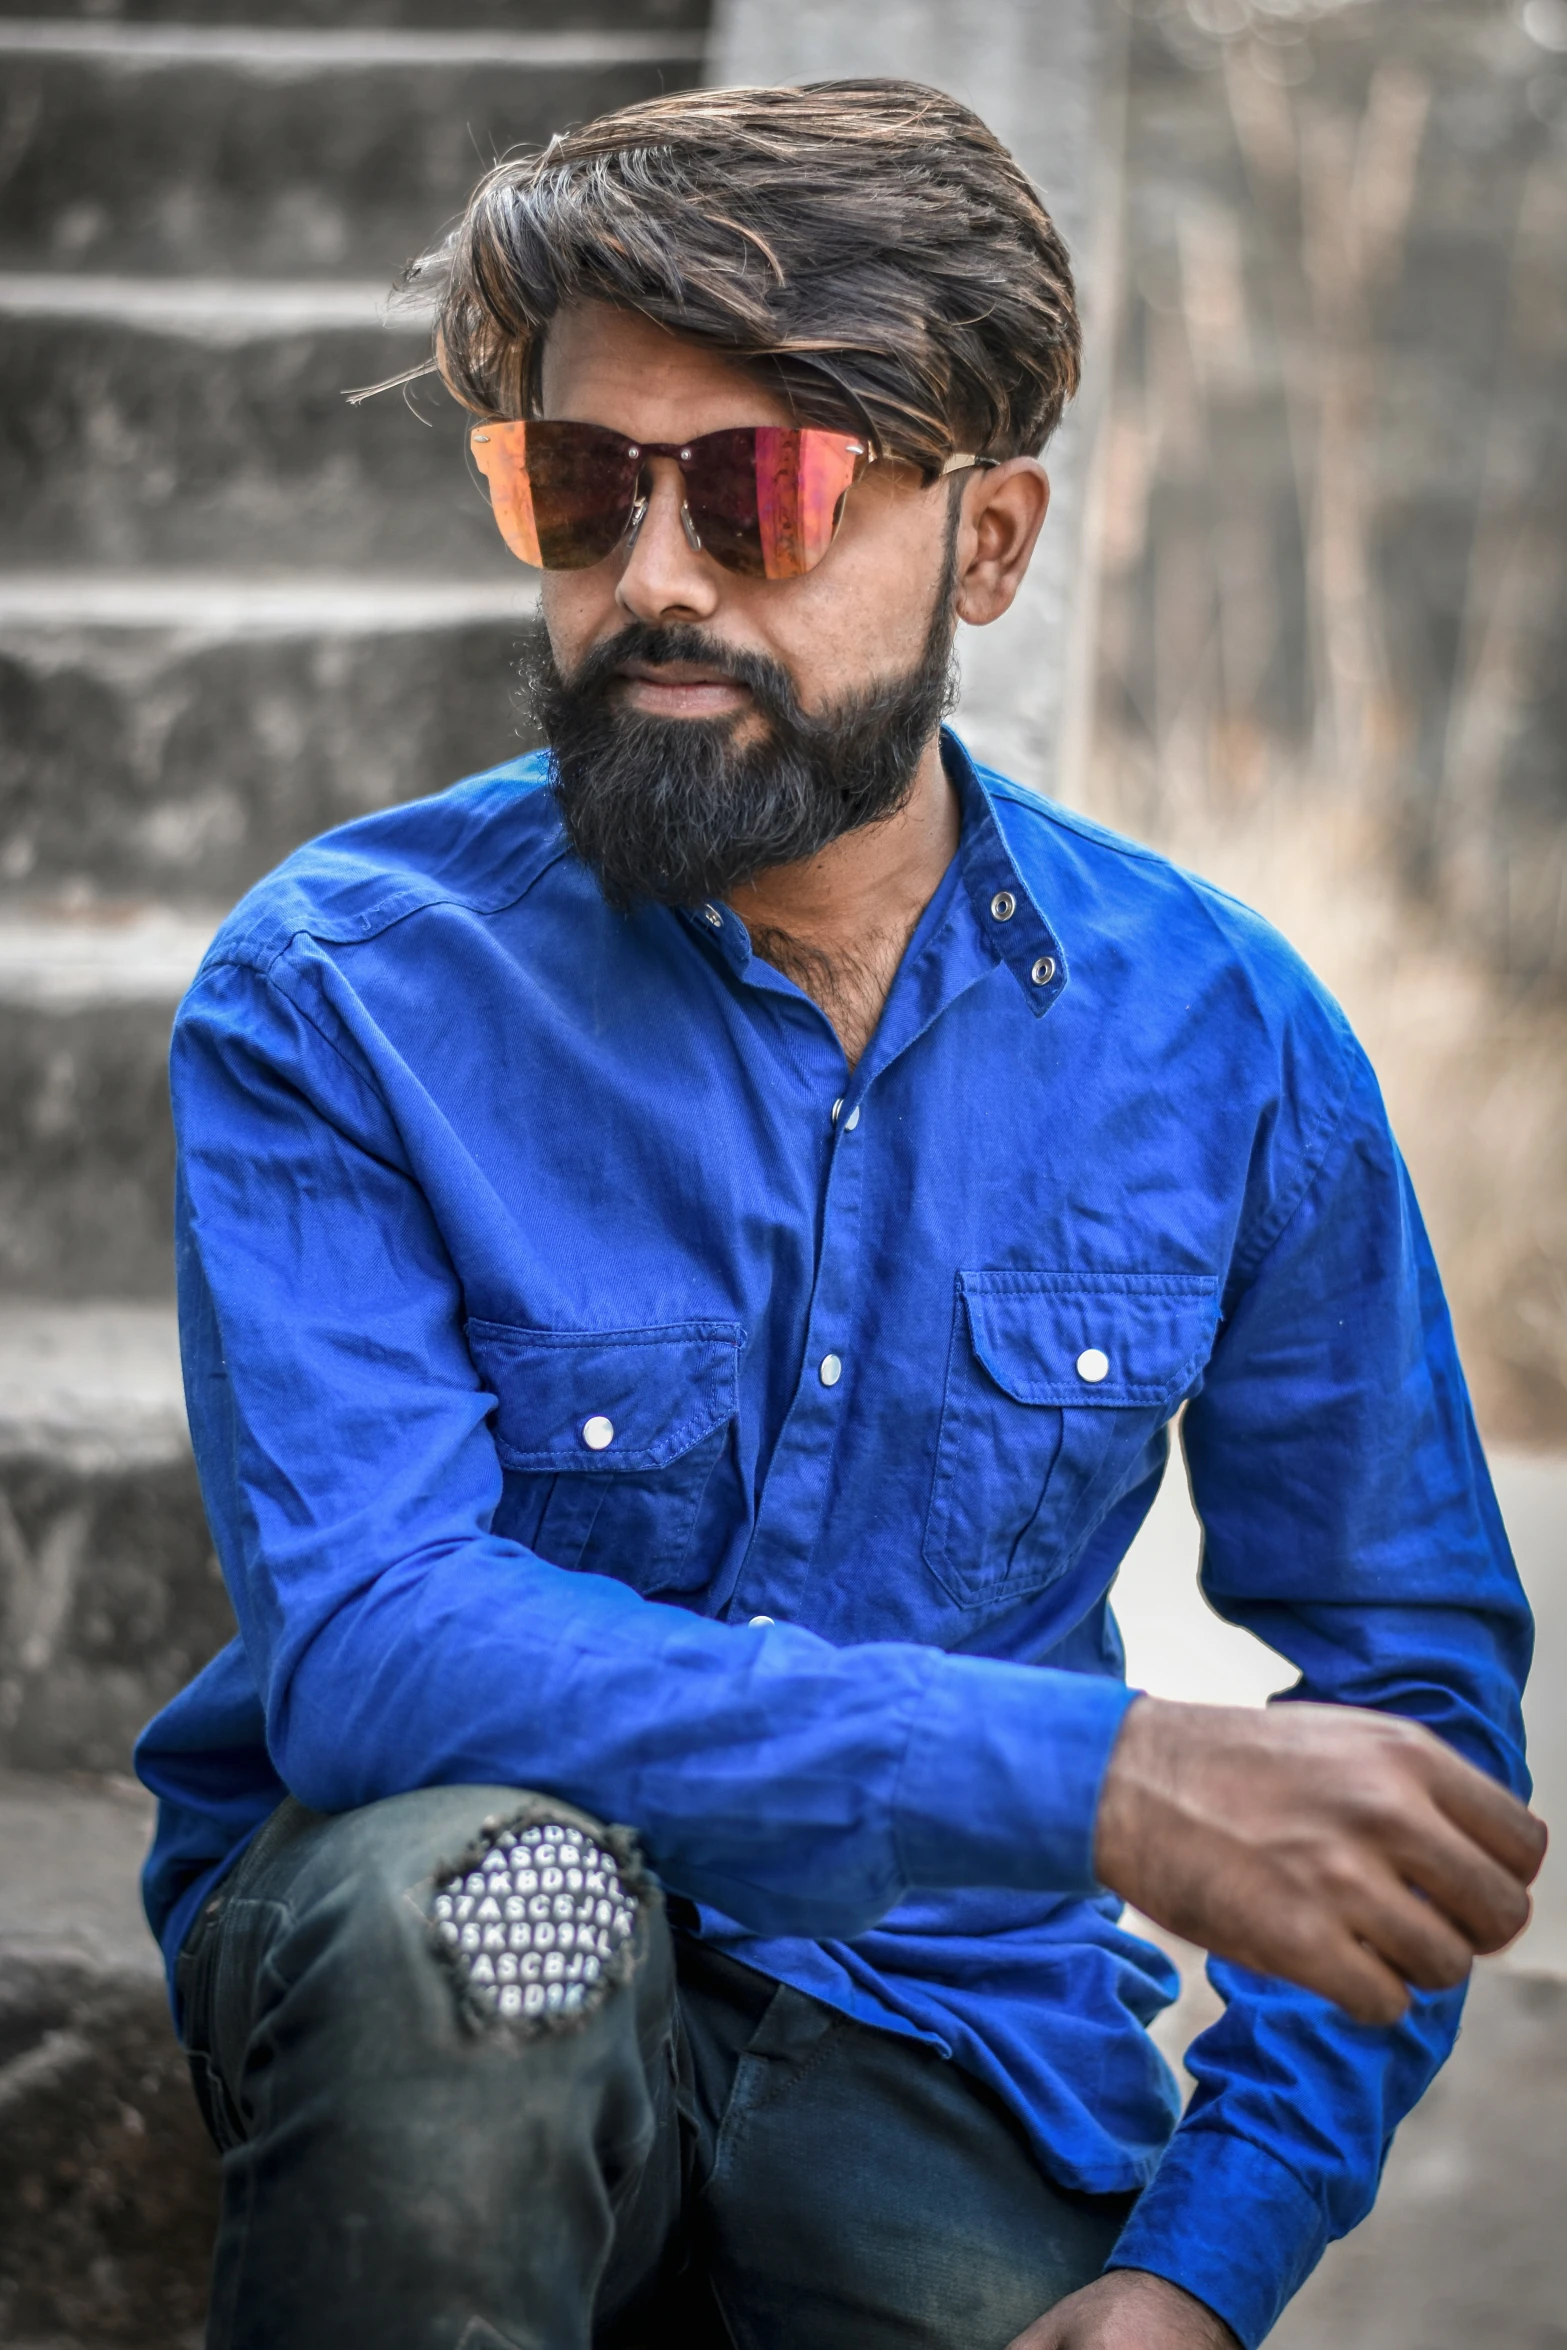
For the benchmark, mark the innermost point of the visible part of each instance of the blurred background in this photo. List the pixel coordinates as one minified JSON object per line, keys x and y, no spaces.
{"x":1299,"y":620}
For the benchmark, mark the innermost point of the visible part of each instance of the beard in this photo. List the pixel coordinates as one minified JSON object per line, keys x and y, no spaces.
{"x":675,"y":810}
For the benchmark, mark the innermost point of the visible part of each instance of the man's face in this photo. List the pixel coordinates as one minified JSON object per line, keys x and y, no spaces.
{"x":707,"y":725}
{"x":861,"y":616}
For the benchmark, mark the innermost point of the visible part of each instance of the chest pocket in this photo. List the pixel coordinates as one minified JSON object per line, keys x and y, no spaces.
{"x":608,"y":1439}
{"x":1055,"y":1381}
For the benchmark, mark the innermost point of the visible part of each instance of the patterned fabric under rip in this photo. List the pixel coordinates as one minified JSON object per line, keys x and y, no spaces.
{"x":537,"y":1922}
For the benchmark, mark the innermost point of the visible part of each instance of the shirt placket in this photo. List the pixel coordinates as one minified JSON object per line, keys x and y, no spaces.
{"x":1001,"y":925}
{"x":773,"y":1579}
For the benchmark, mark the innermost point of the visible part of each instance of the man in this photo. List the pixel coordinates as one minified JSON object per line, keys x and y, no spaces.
{"x":690,"y":1249}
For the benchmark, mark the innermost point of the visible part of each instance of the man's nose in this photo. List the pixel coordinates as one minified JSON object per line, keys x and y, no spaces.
{"x":663,"y":577}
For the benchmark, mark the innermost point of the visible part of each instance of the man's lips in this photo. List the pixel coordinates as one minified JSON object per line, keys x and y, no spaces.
{"x":680,"y":689}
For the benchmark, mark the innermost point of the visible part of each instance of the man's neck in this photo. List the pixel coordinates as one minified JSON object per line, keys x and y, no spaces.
{"x":838,"y":924}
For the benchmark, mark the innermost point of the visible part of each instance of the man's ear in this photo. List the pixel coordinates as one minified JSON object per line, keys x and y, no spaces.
{"x":1004,"y":510}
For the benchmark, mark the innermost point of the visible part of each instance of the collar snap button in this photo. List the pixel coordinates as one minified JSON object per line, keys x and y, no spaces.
{"x":1044,"y":971}
{"x":1003,"y":905}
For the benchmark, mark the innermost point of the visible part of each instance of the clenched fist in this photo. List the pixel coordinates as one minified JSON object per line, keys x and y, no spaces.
{"x":1346,"y":1850}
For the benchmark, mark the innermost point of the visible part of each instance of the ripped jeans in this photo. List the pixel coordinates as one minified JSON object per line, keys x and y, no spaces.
{"x":652,"y":2144}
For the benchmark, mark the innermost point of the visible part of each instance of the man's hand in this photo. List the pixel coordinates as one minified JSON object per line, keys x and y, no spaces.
{"x":1346,"y":1850}
{"x":1128,"y":2310}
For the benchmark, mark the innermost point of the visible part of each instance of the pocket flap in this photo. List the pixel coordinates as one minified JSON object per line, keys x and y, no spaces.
{"x":606,"y":1400}
{"x":1091,"y":1338}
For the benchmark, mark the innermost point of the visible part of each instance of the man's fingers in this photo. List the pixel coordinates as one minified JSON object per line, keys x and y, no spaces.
{"x":1415,"y":1835}
{"x":1476,"y":1860}
{"x":1413,"y":1938}
{"x":1486,"y":1812}
{"x":1317,"y":1948}
{"x":1485,"y":1901}
{"x":1355,"y":1978}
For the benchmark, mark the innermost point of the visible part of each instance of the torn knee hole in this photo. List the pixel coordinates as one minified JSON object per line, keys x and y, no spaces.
{"x":537,"y":1921}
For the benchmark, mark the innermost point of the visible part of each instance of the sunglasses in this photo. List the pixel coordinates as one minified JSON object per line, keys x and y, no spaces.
{"x":764,"y":500}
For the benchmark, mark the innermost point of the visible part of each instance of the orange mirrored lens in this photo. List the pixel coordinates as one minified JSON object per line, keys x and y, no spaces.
{"x":765,"y":499}
{"x":802,"y":479}
{"x":562,"y":493}
{"x":501,"y":453}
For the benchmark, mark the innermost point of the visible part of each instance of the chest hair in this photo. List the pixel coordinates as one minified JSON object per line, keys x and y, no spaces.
{"x":851,"y":983}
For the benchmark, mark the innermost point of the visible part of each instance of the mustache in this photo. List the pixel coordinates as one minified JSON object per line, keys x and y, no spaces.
{"x":767,"y":681}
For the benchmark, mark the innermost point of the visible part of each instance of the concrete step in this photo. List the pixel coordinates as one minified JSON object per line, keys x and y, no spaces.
{"x":110,"y":1596}
{"x":186,"y":759}
{"x":195,"y":421}
{"x":175,"y":734}
{"x":497,"y":16}
{"x":108,"y":2183}
{"x":86,"y":1148}
{"x":231,"y":149}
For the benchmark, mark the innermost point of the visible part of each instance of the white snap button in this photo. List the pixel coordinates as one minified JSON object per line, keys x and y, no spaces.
{"x":1003,"y":905}
{"x":852,"y":1120}
{"x":837,"y":1106}
{"x":1044,"y":971}
{"x":831,"y":1370}
{"x":1093,"y":1364}
{"x":714,"y":916}
{"x":757,"y":1622}
{"x":598,"y":1432}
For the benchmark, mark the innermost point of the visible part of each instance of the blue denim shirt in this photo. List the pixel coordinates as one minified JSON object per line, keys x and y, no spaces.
{"x":598,"y":1387}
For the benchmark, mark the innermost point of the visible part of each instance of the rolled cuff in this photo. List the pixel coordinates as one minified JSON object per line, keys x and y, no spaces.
{"x":1229,"y":2223}
{"x":1000,"y":1782}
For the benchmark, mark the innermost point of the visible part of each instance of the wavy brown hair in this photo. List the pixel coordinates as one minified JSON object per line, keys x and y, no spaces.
{"x":867,"y":248}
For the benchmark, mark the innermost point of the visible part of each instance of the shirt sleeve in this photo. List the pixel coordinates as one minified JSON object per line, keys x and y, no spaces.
{"x":396,"y":1641}
{"x":1348,"y":1520}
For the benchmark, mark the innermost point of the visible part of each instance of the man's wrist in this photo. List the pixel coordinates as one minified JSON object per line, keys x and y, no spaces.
{"x":1194,"y":2325}
{"x":1128,"y":2309}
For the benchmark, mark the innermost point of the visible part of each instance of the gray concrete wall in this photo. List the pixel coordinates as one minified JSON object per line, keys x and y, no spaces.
{"x":1046,"y":75}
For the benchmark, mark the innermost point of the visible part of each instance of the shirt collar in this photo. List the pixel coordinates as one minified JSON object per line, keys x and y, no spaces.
{"x":1005,"y":908}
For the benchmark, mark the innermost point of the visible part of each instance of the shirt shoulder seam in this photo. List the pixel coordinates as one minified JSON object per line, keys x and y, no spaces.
{"x":1117,"y":844}
{"x":268,"y":977}
{"x":1004,"y":787}
{"x":262,"y":947}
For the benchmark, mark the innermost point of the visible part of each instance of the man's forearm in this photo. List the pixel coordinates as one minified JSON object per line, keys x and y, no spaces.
{"x":728,"y":1748}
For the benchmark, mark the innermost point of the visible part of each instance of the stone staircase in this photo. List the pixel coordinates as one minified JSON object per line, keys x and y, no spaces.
{"x":234,"y":610}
